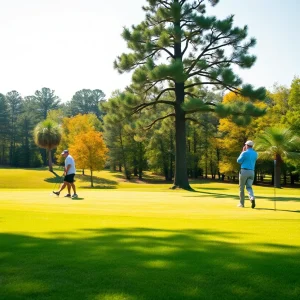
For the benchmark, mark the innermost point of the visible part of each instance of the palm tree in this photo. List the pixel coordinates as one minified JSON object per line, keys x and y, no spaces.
{"x":47,"y":135}
{"x":278,"y":143}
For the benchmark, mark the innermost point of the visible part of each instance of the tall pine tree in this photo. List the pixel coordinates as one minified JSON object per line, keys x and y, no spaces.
{"x":176,"y":49}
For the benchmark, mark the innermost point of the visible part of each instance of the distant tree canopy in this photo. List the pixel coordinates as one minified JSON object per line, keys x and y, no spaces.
{"x":86,"y":101}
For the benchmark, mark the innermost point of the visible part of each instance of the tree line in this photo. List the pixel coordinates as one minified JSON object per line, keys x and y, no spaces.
{"x":212,"y":143}
{"x":19,"y":116}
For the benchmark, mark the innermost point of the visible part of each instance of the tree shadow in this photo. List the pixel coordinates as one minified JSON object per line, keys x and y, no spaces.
{"x":146,"y":179}
{"x":102,"y":187}
{"x":285,"y":210}
{"x":99,"y":182}
{"x":221,"y":195}
{"x":56,"y":175}
{"x":56,"y":179}
{"x":216,"y":195}
{"x":146,"y":263}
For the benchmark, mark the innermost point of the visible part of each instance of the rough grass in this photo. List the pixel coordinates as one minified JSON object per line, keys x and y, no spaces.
{"x":145,"y":241}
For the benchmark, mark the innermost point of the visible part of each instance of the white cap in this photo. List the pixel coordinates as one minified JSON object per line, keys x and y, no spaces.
{"x":249,"y":143}
{"x":64,"y":152}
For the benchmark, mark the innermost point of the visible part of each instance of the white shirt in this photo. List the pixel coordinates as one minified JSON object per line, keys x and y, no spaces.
{"x":70,"y":161}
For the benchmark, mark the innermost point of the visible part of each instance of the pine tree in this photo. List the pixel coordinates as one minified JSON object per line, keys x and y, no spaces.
{"x":87,"y":101}
{"x":120,"y":136}
{"x":15,"y":103}
{"x":45,"y":100}
{"x":177,"y":49}
{"x":4,"y":125}
{"x":293,"y":114}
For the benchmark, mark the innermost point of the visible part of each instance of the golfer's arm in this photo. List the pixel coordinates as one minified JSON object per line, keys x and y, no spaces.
{"x":67,"y":168}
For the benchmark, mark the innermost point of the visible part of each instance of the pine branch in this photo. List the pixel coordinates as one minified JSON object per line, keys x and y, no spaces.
{"x":190,"y":94}
{"x":159,"y":119}
{"x":165,"y":4}
{"x":140,"y":107}
{"x":156,"y":82}
{"x":200,"y":83}
{"x":166,"y":50}
{"x":162,"y":92}
{"x":201,"y":54}
{"x":211,"y":65}
{"x":193,"y":120}
{"x":193,"y":7}
{"x":197,"y":110}
{"x":219,"y":82}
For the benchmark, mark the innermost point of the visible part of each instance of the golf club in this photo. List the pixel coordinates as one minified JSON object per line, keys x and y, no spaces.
{"x":57,"y":184}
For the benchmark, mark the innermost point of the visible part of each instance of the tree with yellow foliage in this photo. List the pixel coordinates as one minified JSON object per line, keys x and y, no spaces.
{"x":233,"y":136}
{"x":89,"y":151}
{"x":72,"y":127}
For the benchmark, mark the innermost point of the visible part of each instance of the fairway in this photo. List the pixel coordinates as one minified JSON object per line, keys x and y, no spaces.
{"x":149,"y":242}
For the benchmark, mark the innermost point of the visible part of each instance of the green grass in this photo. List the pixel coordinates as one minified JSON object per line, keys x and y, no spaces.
{"x":140,"y":241}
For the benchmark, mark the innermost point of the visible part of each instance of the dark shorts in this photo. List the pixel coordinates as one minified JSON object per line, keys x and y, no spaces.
{"x":69,"y":178}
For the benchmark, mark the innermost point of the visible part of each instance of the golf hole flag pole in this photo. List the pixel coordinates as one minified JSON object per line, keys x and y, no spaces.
{"x":275,"y":184}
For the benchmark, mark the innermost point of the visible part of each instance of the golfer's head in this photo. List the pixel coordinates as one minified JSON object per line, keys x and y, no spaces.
{"x":65,"y":153}
{"x":249,"y":144}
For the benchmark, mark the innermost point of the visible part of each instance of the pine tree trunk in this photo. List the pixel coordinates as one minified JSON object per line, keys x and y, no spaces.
{"x":195,"y":166}
{"x":292,"y":178}
{"x":127,"y":173}
{"x":181,"y":178}
{"x":171,"y":156}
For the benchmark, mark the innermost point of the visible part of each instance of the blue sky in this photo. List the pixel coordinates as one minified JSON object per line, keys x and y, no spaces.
{"x":68,"y":45}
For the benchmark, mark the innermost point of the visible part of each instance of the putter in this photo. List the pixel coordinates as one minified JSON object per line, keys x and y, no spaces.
{"x":56,"y":184}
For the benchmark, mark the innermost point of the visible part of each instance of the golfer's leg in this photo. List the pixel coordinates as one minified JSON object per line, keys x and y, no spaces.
{"x":63,"y":186}
{"x":73,"y":187}
{"x":69,"y":188}
{"x":242,"y":182}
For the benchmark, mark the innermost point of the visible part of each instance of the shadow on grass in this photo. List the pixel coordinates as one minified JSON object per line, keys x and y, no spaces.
{"x":56,"y":179}
{"x":148,"y":179}
{"x":286,"y":210}
{"x":221,"y":195}
{"x":145,"y":263}
{"x":99,"y":182}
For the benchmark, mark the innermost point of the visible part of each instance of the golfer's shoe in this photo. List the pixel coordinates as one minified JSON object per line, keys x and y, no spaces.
{"x":75,"y":196}
{"x":240,"y":205}
{"x":56,"y":193}
{"x":252,"y":203}
{"x":68,"y":195}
